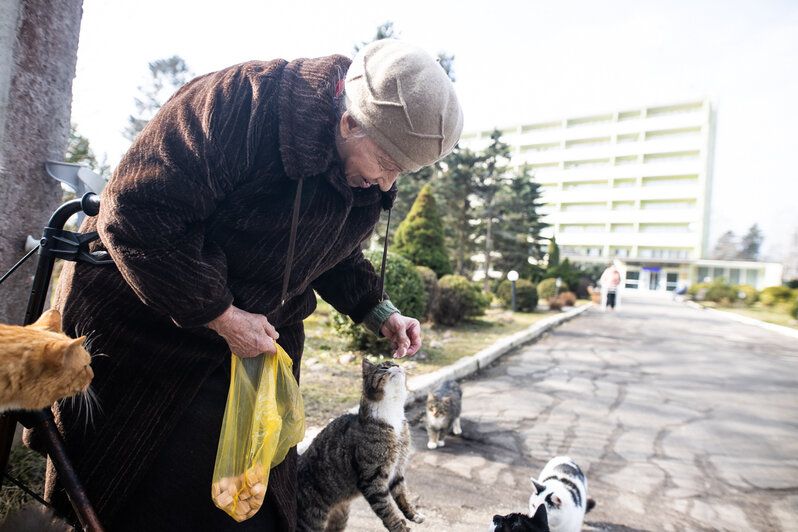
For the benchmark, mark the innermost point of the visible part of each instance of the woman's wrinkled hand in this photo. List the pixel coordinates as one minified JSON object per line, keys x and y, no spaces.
{"x":247,"y":335}
{"x":404,"y":333}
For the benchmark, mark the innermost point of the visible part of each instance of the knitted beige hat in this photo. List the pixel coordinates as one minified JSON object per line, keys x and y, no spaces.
{"x":405,"y":101}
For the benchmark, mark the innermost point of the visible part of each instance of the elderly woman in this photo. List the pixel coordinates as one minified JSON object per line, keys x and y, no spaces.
{"x":252,"y":188}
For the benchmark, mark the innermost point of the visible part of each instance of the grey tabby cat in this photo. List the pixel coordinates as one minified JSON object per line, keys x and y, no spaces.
{"x":443,"y":413}
{"x":364,"y":453}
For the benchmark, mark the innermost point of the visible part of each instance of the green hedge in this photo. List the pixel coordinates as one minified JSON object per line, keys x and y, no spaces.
{"x":431,"y":287}
{"x":547,"y":288}
{"x":772,"y":295}
{"x":459,"y":299}
{"x":526,"y":295}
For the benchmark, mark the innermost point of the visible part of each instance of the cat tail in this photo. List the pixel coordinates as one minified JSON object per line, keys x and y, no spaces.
{"x":590,"y":505}
{"x":337,"y":518}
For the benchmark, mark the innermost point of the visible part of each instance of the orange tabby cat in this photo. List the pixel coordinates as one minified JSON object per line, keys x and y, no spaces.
{"x":39,"y":364}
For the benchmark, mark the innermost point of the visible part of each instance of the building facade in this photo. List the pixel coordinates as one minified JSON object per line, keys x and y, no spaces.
{"x":632,"y":187}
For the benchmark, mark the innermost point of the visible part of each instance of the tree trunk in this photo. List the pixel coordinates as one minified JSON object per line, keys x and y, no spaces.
{"x":486,"y":285}
{"x":38,"y":54}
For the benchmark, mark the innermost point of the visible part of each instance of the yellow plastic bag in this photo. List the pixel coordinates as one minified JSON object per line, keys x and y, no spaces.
{"x":264,"y":417}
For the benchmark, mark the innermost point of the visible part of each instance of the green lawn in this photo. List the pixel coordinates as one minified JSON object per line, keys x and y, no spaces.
{"x":777,"y":315}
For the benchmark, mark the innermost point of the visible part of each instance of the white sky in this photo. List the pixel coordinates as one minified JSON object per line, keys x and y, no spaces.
{"x":515,"y":61}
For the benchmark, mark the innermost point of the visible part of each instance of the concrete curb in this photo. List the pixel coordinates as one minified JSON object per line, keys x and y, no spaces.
{"x":745,"y":319}
{"x":419,"y":386}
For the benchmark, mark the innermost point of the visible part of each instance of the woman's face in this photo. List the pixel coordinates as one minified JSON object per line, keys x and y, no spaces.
{"x":365,"y":163}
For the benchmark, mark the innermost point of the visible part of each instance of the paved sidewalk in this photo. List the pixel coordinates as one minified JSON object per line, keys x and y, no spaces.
{"x":681,"y":419}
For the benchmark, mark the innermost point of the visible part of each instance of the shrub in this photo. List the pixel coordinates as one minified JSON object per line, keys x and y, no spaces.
{"x":772,"y":295}
{"x":750,"y":294}
{"x":555,"y":304}
{"x":406,"y":288}
{"x":794,"y":309}
{"x":567,"y":299}
{"x":432,"y":289}
{"x":526,"y":295}
{"x":720,"y":292}
{"x":547,"y":288}
{"x":459,"y":298}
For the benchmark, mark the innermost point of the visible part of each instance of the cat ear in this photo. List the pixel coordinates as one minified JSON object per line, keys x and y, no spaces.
{"x":556,"y":501}
{"x":366,"y":366}
{"x":447,"y":401}
{"x":49,"y":321}
{"x":539,"y":488}
{"x":77,"y":341}
{"x":430,"y":396}
{"x":53,"y":355}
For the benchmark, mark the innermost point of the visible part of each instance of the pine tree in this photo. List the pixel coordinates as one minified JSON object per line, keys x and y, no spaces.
{"x":750,"y":243}
{"x":419,"y":238}
{"x":519,"y":225}
{"x":726,"y":247}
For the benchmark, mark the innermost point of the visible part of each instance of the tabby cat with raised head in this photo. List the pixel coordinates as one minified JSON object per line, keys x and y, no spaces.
{"x":39,"y":364}
{"x":360,"y":454}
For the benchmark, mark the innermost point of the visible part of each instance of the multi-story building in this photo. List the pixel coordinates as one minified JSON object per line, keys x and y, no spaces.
{"x":631,"y":186}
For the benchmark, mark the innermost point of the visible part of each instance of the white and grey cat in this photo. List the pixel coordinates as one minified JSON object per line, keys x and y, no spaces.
{"x":360,"y":454}
{"x":562,"y":488}
{"x":443,"y":413}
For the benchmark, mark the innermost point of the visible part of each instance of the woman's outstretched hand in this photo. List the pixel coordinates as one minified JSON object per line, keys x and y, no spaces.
{"x":404,"y":333}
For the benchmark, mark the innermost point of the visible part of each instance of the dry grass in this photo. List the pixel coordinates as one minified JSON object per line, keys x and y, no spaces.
{"x":28,"y":467}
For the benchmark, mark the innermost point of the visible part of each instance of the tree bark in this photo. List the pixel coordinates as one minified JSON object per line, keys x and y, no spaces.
{"x":38,"y":56}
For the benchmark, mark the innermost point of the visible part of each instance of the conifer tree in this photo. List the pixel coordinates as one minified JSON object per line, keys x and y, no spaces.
{"x":419,"y":237}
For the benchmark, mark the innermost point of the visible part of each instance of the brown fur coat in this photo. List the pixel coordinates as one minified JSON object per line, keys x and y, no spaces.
{"x":197,"y":216}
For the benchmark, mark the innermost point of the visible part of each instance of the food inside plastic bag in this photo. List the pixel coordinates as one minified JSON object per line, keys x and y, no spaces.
{"x":264,"y":417}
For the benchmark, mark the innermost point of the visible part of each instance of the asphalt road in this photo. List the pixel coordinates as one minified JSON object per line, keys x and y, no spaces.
{"x":681,"y":420}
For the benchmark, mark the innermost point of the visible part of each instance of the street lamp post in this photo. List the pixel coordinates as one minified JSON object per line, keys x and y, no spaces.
{"x":512,"y":276}
{"x":557,"y":284}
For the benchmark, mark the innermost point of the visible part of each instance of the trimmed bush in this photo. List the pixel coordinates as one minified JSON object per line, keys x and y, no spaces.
{"x":432,"y":289}
{"x":526,"y":295}
{"x":794,"y":309}
{"x":567,"y":299}
{"x":720,"y":292}
{"x":420,"y":236}
{"x":459,"y":298}
{"x":547,"y":288}
{"x":555,"y":304}
{"x":772,"y":295}
{"x":750,"y":294}
{"x":406,"y":288}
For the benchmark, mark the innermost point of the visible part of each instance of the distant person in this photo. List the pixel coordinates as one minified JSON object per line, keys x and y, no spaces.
{"x":610,"y":281}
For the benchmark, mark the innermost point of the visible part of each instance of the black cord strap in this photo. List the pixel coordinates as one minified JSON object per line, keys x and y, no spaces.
{"x":384,"y":257}
{"x":17,"y":265}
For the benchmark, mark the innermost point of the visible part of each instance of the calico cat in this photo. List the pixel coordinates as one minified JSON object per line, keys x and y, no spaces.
{"x":562,"y":489}
{"x":364,"y":453}
{"x":443,"y":413}
{"x":39,"y":364}
{"x":521,"y":522}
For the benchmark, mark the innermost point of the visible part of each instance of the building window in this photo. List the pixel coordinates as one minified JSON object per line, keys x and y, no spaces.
{"x":666,"y":110}
{"x":620,"y":252}
{"x":540,"y":147}
{"x":570,"y":250}
{"x":734,"y":276}
{"x":589,"y":120}
{"x":668,"y":134}
{"x":625,"y":159}
{"x":593,"y":251}
{"x":703,"y":273}
{"x":751,"y":277}
{"x":672,"y":157}
{"x":624,"y":183}
{"x":665,"y":228}
{"x":585,"y":185}
{"x":628,"y":137}
{"x":581,"y":228}
{"x":675,"y":180}
{"x":586,"y":163}
{"x":540,"y":126}
{"x":667,"y":204}
{"x":629,"y":115}
{"x":671,"y":280}
{"x":582,"y":207}
{"x":622,"y":228}
{"x":585,"y":143}
{"x":664,"y":253}
{"x":623,"y":205}
{"x":632,"y":279}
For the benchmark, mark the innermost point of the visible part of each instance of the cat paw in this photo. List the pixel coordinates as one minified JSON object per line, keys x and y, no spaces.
{"x":419,"y":518}
{"x":457,"y":431}
{"x":441,"y":444}
{"x":432,"y":445}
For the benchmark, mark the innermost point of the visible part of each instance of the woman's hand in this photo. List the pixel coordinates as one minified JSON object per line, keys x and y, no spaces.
{"x":248,"y":335}
{"x":404,"y":333}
